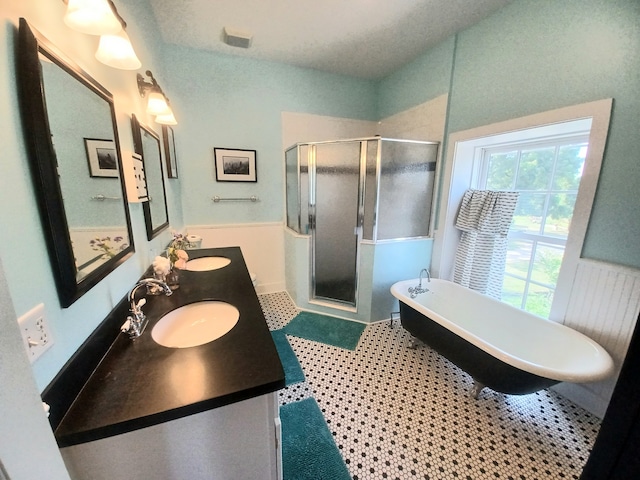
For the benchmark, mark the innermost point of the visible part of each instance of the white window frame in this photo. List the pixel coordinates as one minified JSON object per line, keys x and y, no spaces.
{"x":462,"y":169}
{"x":556,"y":142}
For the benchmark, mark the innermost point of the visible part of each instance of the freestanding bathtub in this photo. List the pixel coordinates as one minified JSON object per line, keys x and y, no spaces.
{"x":501,"y":347}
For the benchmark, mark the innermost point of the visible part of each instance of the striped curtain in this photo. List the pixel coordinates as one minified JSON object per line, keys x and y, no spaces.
{"x":484,"y":218}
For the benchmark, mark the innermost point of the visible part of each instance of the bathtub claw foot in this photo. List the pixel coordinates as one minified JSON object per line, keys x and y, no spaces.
{"x":477,"y":388}
{"x":414,"y":343}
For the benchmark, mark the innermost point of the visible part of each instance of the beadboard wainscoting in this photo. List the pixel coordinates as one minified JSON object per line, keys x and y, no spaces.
{"x":604,"y":304}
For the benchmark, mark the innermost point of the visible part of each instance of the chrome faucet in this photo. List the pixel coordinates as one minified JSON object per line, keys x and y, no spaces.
{"x":137,"y":321}
{"x":424,"y":270}
{"x":415,"y":291}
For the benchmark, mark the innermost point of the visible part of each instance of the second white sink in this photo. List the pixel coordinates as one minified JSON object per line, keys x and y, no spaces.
{"x":195,"y":324}
{"x":204,"y":264}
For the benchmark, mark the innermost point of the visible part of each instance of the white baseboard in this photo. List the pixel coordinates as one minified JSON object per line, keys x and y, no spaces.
{"x":274,"y":287}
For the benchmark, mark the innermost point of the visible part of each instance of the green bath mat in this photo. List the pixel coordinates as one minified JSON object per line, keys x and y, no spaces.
{"x":308,"y":449}
{"x":324,"y":329}
{"x":292,"y":371}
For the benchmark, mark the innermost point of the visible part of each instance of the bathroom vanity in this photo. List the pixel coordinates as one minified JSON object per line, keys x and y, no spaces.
{"x":149,"y":411}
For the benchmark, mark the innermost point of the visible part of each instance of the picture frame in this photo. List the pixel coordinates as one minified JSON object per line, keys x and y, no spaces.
{"x":102,"y":157}
{"x":170,"y":151}
{"x":235,"y":165}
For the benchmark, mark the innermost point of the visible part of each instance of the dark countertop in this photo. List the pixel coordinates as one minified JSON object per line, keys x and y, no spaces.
{"x":139,"y":383}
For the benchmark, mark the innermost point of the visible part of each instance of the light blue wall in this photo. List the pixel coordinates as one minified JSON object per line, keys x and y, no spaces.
{"x":219,"y":100}
{"x":24,"y":253}
{"x":532,"y":56}
{"x":423,"y":79}
{"x":232,"y":102}
{"x":538,"y":55}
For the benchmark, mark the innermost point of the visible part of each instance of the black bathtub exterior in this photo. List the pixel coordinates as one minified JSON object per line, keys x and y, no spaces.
{"x":483,"y":367}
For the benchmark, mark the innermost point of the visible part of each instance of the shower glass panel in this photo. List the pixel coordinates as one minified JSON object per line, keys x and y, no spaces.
{"x":293,"y":188}
{"x":407,"y":175}
{"x":345,"y":191}
{"x":303,"y":162}
{"x":336,"y":205}
{"x":370,"y":190}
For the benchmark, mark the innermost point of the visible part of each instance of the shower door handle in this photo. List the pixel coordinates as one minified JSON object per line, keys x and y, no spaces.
{"x":312,"y":217}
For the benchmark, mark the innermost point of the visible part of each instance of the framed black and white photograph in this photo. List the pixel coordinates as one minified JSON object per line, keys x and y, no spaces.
{"x":170,"y":151}
{"x":102,"y":157}
{"x":235,"y":165}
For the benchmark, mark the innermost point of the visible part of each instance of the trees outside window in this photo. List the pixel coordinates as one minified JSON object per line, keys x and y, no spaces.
{"x":547,"y":174}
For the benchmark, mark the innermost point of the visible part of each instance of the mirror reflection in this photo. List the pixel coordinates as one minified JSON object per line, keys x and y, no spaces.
{"x":147,"y":143}
{"x":84,"y":145}
{"x":71,"y":134}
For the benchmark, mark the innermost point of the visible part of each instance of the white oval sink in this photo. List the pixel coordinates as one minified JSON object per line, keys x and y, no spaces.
{"x":195,"y":324}
{"x":204,"y":264}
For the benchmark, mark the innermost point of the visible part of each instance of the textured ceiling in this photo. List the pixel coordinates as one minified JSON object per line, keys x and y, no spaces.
{"x":361,"y":38}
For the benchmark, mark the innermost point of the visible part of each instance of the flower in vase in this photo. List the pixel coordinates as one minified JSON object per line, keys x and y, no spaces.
{"x":161,"y":265}
{"x":176,"y":250}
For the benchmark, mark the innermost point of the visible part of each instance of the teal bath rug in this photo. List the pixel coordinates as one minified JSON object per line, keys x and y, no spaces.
{"x":308,"y":449}
{"x":292,"y":371}
{"x":324,"y":329}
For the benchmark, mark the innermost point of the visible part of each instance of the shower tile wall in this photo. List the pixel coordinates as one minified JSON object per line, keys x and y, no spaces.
{"x":399,"y":413}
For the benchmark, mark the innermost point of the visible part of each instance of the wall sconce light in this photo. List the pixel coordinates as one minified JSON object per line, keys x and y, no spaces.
{"x":115,"y":50}
{"x":100,"y":17}
{"x":157,"y":102}
{"x":94,"y":17}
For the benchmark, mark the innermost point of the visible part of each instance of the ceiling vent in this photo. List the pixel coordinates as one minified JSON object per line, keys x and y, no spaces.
{"x":236,"y":38}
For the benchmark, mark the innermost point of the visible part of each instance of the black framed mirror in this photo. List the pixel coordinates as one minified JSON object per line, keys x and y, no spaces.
{"x":71,"y":136}
{"x":170,"y":151}
{"x":146,"y":143}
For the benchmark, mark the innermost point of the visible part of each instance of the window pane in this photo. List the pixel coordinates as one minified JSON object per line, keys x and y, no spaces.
{"x":539,"y":300}
{"x":536,"y":168}
{"x":502,"y":170}
{"x":546,"y":264}
{"x":569,"y":167}
{"x":559,"y":214}
{"x":518,"y":257}
{"x":529,"y":211}
{"x":513,"y":291}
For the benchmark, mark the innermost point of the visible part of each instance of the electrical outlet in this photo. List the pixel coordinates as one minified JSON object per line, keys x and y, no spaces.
{"x":36,"y":336}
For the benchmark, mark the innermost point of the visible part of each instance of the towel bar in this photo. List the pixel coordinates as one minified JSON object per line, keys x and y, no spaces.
{"x":252,"y":198}
{"x":103,"y":197}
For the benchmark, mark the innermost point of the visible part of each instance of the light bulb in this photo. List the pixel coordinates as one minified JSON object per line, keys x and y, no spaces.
{"x":167,"y":118}
{"x":157,"y":104}
{"x":115,"y":50}
{"x":94,"y":17}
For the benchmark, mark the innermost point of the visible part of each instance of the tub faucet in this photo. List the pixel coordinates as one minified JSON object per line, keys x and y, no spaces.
{"x":415,"y":291}
{"x":424,"y":270}
{"x":137,"y":321}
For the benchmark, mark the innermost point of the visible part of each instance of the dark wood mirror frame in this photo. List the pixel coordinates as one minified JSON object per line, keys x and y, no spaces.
{"x":168,"y":138}
{"x":153,"y":191}
{"x":44,"y":163}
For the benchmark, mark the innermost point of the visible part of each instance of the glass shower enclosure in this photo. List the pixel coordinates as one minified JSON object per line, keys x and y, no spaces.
{"x":346,"y":192}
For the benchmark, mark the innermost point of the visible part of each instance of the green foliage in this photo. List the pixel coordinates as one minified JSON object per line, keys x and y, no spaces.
{"x":539,"y":304}
{"x":548,"y":178}
{"x":536,"y":173}
{"x":549,"y":263}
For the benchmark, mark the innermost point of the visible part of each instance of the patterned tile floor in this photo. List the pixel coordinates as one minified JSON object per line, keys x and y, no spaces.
{"x":401,"y":413}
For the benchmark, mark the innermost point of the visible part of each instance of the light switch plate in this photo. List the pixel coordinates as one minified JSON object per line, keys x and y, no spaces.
{"x":36,"y":336}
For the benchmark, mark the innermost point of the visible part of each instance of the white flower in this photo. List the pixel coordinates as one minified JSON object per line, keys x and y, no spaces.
{"x":161,"y":265}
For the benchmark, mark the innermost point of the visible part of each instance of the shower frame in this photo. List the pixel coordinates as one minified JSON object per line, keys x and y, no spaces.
{"x":367,"y":209}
